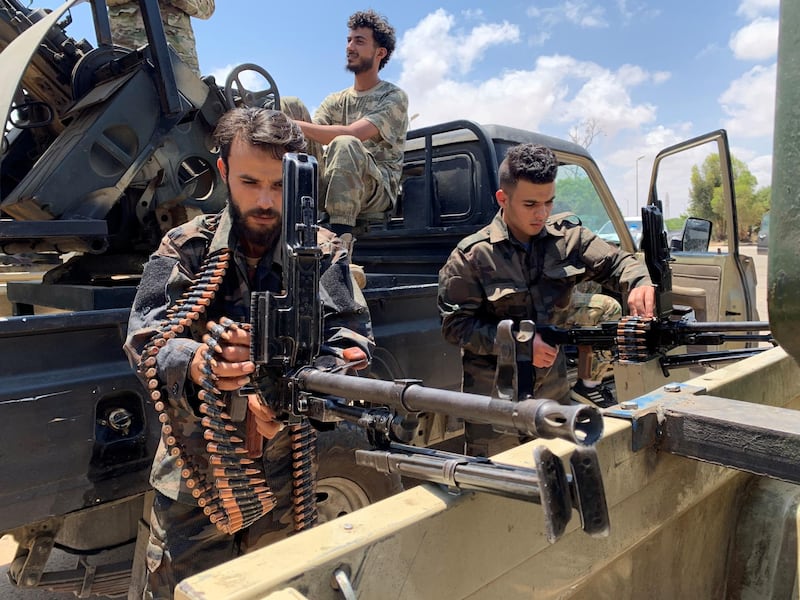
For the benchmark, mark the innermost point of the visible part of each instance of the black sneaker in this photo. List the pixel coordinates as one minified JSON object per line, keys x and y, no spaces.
{"x":599,"y":395}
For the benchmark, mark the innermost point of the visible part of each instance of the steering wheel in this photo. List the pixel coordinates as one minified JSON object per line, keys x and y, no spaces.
{"x":237,"y":94}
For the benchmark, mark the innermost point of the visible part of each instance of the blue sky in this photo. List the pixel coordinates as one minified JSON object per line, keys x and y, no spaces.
{"x":646,"y":73}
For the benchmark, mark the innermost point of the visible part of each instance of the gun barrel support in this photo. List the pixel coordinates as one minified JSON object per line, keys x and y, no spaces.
{"x":579,"y":424}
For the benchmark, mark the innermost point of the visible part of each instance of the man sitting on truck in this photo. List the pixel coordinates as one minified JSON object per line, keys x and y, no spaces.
{"x":523,"y":265}
{"x":184,"y":336}
{"x":362,"y":127}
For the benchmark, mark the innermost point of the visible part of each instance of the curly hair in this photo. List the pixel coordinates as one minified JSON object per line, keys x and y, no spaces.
{"x":269,"y":129}
{"x":381,"y":30}
{"x":531,"y":162}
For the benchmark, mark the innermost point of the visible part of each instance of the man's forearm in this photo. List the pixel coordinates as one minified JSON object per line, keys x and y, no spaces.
{"x":324,"y":134}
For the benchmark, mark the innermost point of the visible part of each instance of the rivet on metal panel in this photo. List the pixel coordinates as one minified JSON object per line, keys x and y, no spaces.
{"x":672,"y":387}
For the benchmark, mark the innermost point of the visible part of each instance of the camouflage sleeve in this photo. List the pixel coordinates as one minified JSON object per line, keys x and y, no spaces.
{"x":390,"y":116}
{"x":460,"y":301}
{"x":163,"y":281}
{"x":200,"y":9}
{"x":325,"y":113}
{"x":346,"y":317}
{"x":610,"y":266}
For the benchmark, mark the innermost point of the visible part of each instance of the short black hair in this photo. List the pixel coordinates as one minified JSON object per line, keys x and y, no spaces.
{"x":531,"y":162}
{"x":381,"y":30}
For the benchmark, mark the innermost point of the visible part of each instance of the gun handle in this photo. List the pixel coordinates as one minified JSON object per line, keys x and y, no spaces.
{"x":584,"y":362}
{"x":253,"y":440}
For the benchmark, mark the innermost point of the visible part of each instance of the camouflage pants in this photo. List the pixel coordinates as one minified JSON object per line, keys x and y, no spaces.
{"x":127,"y":30}
{"x":183,"y":542}
{"x":585,"y":309}
{"x":351,"y":182}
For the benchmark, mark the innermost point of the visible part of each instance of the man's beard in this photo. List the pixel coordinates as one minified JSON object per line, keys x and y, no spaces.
{"x":362,"y":65}
{"x":263,"y":237}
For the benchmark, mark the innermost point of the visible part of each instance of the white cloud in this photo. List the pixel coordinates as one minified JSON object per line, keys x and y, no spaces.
{"x":577,"y":12}
{"x":750,"y":9}
{"x":761,"y":167}
{"x":756,"y":41}
{"x":556,"y":90}
{"x":584,"y":15}
{"x":452,"y":50}
{"x":749,"y":103}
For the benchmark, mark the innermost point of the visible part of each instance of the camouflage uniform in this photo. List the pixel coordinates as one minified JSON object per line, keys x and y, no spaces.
{"x":127,"y":27}
{"x":490,"y":276}
{"x":182,"y":540}
{"x":363,"y":177}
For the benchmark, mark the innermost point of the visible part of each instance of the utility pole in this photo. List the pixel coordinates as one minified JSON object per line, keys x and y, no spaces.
{"x":636,"y":202}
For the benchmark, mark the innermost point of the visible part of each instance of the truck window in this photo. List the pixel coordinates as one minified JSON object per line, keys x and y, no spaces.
{"x":576,"y":193}
{"x":453,"y":198}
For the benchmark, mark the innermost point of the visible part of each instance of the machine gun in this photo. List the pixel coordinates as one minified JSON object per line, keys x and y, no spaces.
{"x":286,"y":333}
{"x":637,"y":339}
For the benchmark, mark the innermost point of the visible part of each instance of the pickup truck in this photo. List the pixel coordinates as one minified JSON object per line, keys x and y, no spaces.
{"x":701,"y":477}
{"x":81,"y":438}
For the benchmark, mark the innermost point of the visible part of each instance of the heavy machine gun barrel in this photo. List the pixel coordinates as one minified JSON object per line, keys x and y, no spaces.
{"x":579,"y":424}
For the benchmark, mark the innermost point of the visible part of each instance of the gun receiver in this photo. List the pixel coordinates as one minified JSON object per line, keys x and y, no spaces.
{"x":287,"y":327}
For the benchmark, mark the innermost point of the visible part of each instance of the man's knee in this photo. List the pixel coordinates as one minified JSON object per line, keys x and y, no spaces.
{"x":345,"y":152}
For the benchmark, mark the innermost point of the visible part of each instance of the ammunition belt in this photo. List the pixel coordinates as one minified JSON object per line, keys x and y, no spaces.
{"x":632,"y":338}
{"x":237,"y":493}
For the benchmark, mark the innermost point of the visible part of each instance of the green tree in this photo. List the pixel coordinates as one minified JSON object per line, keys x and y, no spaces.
{"x":706,"y":196}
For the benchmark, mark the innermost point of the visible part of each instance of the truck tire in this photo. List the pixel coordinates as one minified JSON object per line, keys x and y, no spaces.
{"x":342,"y":485}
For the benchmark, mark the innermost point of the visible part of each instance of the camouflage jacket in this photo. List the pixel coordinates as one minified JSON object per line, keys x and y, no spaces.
{"x":169,"y":273}
{"x":490,"y":276}
{"x":386,"y":107}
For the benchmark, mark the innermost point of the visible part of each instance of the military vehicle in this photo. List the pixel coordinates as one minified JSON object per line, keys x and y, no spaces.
{"x":700,"y":479}
{"x":87,"y":181}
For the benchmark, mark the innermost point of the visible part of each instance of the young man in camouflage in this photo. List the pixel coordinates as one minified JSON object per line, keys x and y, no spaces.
{"x":127,"y":27}
{"x":363,"y":128}
{"x":524,"y":265}
{"x":252,"y":141}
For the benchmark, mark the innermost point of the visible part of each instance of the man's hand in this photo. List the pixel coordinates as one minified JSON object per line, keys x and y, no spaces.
{"x":544,"y":355}
{"x":229,"y":366}
{"x":264,"y":418}
{"x":642,"y":301}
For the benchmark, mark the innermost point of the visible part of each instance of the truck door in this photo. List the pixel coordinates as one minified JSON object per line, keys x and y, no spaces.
{"x":695,"y":179}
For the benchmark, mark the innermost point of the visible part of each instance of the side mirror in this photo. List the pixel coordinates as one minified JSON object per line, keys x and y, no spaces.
{"x":696,"y":235}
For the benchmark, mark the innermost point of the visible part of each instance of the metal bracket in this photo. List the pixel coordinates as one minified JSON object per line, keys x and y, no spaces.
{"x":681,"y":420}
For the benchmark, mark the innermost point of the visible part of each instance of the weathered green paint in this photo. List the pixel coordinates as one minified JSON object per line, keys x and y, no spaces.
{"x":784,"y":242}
